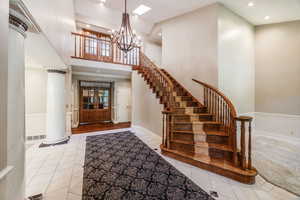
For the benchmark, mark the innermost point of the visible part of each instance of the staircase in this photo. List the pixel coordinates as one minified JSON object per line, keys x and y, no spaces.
{"x":202,"y":134}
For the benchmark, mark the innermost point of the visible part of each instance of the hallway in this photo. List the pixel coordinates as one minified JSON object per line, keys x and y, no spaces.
{"x":58,"y":173}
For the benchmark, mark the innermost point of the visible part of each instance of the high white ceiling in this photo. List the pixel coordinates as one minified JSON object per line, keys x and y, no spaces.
{"x":109,"y":15}
{"x":278,"y":10}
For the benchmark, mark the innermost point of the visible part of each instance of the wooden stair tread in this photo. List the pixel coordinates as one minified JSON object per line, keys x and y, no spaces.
{"x":189,"y":107}
{"x":204,"y":122}
{"x":192,"y":114}
{"x":225,"y":165}
{"x":205,"y":144}
{"x":219,"y":133}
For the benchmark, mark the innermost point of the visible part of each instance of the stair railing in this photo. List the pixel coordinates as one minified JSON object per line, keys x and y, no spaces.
{"x":225,"y":113}
{"x":161,"y":83}
{"x":103,"y":50}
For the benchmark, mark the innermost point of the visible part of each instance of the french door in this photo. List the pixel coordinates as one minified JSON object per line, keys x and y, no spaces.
{"x":97,"y":46}
{"x":95,"y":102}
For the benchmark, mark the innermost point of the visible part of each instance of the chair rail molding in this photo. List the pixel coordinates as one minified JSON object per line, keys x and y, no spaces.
{"x":287,"y":125}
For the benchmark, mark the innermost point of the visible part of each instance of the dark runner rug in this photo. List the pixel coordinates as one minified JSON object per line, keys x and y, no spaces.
{"x":121,"y":166}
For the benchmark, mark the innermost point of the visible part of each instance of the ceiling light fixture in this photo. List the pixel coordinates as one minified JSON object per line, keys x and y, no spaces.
{"x":88,"y":26}
{"x":142,"y":9}
{"x":267,"y":17}
{"x":251,"y":4}
{"x":102,"y":2}
{"x":126,"y":38}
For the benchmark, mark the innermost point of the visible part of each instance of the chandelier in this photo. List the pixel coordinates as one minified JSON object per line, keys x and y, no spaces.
{"x":126,"y":39}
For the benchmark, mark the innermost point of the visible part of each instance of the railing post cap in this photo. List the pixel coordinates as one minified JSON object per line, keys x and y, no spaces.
{"x":244,"y":118}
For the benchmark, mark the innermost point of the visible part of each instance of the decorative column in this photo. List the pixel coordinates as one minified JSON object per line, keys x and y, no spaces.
{"x":18,"y":25}
{"x":56,"y":111}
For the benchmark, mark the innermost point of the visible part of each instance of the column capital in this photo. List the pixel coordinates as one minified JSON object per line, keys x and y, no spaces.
{"x":20,"y":18}
{"x":18,"y":22}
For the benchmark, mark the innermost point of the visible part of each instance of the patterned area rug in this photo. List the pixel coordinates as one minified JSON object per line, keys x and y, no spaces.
{"x":121,"y":166}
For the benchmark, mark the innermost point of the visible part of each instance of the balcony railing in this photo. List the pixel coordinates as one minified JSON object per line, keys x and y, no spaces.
{"x":103,"y":50}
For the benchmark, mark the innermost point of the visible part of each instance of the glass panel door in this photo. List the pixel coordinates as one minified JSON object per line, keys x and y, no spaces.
{"x":91,"y":46}
{"x":89,"y":99}
{"x":103,"y":98}
{"x":95,"y":102}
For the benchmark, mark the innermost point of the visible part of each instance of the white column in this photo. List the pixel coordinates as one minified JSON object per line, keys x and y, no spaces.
{"x":3,"y":92}
{"x":56,"y":111}
{"x":16,"y":106}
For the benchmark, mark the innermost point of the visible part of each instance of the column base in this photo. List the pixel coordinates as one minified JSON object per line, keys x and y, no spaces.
{"x":48,"y":144}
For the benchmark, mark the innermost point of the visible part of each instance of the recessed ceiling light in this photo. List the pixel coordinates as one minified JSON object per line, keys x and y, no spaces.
{"x":102,"y":2}
{"x":142,"y":9}
{"x":267,"y":17}
{"x":251,"y":4}
{"x":160,"y":34}
{"x":88,"y":25}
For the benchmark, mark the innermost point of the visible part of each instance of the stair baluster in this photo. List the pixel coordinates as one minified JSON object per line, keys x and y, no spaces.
{"x":227,"y":113}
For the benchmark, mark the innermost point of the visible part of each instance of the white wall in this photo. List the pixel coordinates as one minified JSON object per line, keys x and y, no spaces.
{"x":39,"y":53}
{"x":57,"y":21}
{"x":146,"y":109}
{"x":236,"y":59}
{"x":36,"y":90}
{"x":189,"y":48}
{"x":278,"y":68}
{"x":35,"y":101}
{"x":153,"y":51}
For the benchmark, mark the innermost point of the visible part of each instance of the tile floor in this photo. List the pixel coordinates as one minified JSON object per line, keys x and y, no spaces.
{"x":57,"y":172}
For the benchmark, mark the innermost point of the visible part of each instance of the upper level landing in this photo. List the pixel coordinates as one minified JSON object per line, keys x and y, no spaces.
{"x":96,"y":51}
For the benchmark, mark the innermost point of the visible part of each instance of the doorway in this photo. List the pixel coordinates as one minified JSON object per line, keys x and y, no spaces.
{"x":95,"y":102}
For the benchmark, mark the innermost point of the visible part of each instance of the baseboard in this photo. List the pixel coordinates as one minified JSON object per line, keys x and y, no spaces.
{"x":137,"y":129}
{"x":36,"y":125}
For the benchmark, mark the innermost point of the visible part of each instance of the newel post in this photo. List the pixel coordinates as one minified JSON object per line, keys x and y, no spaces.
{"x":244,"y":120}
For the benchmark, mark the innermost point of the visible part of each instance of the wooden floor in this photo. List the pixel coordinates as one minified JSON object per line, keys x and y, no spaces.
{"x":99,"y":127}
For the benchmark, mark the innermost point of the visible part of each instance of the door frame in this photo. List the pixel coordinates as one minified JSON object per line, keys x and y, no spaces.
{"x":81,"y":110}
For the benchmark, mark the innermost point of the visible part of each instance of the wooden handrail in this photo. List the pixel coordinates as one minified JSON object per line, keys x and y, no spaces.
{"x":163,"y":75}
{"x":90,"y":37}
{"x":233,"y":110}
